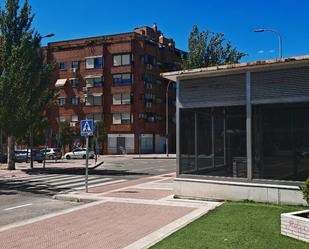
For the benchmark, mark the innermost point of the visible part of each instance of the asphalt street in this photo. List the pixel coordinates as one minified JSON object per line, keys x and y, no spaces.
{"x":22,"y":198}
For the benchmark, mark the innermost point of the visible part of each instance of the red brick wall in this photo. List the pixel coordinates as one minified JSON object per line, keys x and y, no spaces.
{"x":123,"y":43}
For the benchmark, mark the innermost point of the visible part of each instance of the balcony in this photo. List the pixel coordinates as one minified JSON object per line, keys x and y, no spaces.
{"x":121,"y":108}
{"x":154,"y":127}
{"x":121,"y":89}
{"x":92,"y":108}
{"x":121,"y":127}
{"x":122,"y":69}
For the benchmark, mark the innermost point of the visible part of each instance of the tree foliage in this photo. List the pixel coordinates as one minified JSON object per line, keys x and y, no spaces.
{"x":100,"y":132}
{"x":24,"y":81}
{"x":209,"y":49}
{"x":305,"y":189}
{"x":66,"y":133}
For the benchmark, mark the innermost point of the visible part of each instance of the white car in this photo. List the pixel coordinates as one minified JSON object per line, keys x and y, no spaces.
{"x":79,"y":153}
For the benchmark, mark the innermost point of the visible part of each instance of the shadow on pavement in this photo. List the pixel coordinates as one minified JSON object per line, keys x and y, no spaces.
{"x":81,"y":171}
{"x":37,"y":186}
{"x":7,"y":192}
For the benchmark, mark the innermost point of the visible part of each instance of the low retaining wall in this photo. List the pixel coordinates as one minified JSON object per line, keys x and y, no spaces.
{"x":237,"y":191}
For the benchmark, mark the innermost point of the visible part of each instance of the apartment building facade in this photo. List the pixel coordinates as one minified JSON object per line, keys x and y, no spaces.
{"x":116,"y":79}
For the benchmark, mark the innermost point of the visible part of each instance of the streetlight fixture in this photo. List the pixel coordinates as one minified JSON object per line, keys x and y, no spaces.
{"x":278,"y":35}
{"x":48,"y":35}
{"x":166,"y":118}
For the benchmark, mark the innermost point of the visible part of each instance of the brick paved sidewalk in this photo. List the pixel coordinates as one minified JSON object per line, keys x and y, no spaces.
{"x":134,"y":214}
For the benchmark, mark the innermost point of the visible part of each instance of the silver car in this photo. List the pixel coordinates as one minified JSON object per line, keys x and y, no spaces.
{"x":52,"y":153}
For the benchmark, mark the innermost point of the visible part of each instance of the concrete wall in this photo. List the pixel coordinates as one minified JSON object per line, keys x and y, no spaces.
{"x":238,"y":191}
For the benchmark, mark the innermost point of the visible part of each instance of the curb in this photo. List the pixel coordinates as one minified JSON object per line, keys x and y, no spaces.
{"x":63,"y":197}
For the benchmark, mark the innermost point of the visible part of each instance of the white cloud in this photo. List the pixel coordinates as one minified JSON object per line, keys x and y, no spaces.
{"x":261,"y":51}
{"x":271,"y":51}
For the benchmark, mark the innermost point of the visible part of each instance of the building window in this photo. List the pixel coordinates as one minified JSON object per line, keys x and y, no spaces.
{"x":94,"y":100}
{"x":62,"y":119}
{"x":62,"y":101}
{"x":149,"y":60}
{"x":63,"y":66}
{"x":122,"y":79}
{"x":149,"y":97}
{"x":121,"y":60}
{"x":74,"y":118}
{"x":74,"y":101}
{"x":122,"y":99}
{"x":94,"y":82}
{"x":94,"y":62}
{"x":150,"y":81}
{"x":150,"y":117}
{"x":74,"y":82}
{"x":122,"y":118}
{"x":97,"y":116}
{"x":75,"y":64}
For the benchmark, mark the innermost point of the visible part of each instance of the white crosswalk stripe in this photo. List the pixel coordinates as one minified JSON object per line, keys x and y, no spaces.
{"x":54,"y":183}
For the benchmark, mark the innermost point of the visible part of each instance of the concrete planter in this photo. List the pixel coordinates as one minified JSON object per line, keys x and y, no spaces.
{"x":296,"y":225}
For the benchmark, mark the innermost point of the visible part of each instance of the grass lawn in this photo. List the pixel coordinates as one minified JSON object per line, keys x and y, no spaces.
{"x":235,"y":225}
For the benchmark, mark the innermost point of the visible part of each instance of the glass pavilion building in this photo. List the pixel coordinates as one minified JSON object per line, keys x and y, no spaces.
{"x":243,"y":131}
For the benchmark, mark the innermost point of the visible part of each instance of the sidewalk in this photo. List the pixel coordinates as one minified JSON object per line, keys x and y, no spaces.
{"x":133,"y":214}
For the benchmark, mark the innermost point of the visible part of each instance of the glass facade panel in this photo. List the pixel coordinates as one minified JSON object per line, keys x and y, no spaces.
{"x":213,"y":141}
{"x":219,"y":135}
{"x":281,"y":142}
{"x":204,"y":140}
{"x":187,"y":141}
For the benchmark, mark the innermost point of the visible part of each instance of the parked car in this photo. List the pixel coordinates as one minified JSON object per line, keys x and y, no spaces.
{"x":37,"y":156}
{"x":21,"y":156}
{"x":79,"y":153}
{"x":52,"y":153}
{"x":3,"y":158}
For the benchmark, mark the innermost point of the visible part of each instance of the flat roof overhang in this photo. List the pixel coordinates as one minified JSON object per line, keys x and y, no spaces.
{"x":284,"y":63}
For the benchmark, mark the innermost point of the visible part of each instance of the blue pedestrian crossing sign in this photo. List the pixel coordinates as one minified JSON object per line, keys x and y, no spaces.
{"x":86,"y":128}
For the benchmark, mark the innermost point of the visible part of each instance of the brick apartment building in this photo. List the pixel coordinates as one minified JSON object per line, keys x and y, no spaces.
{"x":116,"y":79}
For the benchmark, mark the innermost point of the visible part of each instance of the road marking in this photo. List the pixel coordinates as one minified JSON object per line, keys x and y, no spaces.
{"x":102,"y":184}
{"x":25,"y":205}
{"x":70,"y":185}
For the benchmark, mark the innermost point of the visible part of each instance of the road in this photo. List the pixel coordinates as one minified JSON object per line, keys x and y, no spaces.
{"x":22,"y":198}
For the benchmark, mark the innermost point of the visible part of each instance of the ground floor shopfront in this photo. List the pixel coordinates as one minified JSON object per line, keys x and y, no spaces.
{"x":135,"y":143}
{"x":243,"y":131}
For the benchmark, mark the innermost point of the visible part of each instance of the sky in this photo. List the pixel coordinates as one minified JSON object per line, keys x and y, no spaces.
{"x":70,"y":19}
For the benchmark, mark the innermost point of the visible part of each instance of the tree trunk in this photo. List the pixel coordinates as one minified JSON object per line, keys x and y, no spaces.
{"x":11,"y":153}
{"x":31,"y":148}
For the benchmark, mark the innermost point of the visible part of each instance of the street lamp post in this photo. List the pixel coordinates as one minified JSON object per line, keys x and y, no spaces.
{"x":278,"y":35}
{"x":166,"y":118}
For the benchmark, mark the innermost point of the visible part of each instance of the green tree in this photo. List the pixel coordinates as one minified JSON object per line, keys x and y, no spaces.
{"x":100,"y":134}
{"x":209,"y":49}
{"x":24,"y":81}
{"x":305,"y":189}
{"x":66,"y":134}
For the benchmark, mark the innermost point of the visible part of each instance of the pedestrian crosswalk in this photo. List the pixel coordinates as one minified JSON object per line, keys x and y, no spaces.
{"x":55,"y":183}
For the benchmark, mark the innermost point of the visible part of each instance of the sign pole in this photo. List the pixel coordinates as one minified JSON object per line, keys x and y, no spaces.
{"x":86,"y":130}
{"x":87,"y":155}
